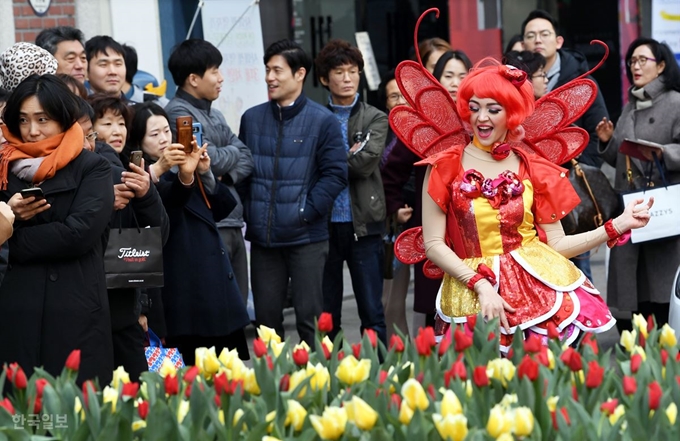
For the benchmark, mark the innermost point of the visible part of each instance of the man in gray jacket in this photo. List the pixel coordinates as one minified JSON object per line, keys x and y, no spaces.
{"x":194,"y":65}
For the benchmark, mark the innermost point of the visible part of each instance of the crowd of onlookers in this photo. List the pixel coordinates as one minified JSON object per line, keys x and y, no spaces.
{"x":316,"y":185}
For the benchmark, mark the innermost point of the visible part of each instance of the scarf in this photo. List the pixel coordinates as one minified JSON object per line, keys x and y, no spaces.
{"x":57,"y":152}
{"x":643,"y":101}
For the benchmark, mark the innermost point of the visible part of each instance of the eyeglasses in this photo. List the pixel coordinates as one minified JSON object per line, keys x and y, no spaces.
{"x":541,"y":75}
{"x":531,"y":36}
{"x":92,"y":136}
{"x":394,"y":97}
{"x":640,"y":60}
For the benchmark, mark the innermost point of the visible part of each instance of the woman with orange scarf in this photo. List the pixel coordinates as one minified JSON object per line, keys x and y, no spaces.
{"x":53,"y":297}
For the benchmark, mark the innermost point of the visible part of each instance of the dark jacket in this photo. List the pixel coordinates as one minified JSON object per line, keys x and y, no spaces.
{"x":125,"y":304}
{"x":229,"y":157}
{"x":200,"y":296}
{"x":572,"y":65}
{"x":53,"y":298}
{"x":300,"y":168}
{"x":365,"y":185}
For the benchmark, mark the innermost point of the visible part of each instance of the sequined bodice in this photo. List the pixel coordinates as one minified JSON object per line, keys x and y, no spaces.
{"x":487,"y":230}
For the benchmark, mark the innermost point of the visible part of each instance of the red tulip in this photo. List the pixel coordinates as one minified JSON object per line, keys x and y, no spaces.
{"x":284,"y":383}
{"x":650,"y":323}
{"x":479,"y":376}
{"x":270,"y":363}
{"x":221,"y":383}
{"x":664,"y":357}
{"x":171,"y":384}
{"x":528,"y":368}
{"x":463,"y":341}
{"x":7,"y":405}
{"x":325,"y":323}
{"x":491,"y":336}
{"x":300,"y":357}
{"x":444,"y":346}
{"x":326,"y":351}
{"x":635,"y":362}
{"x":533,"y":344}
{"x":88,"y":386}
{"x":187,"y":391}
{"x":234,"y":386}
{"x":642,"y":339}
{"x":654,"y":395}
{"x":564,"y":413}
{"x":372,"y":337}
{"x":356,"y":349}
{"x":17,"y":376}
{"x":396,"y":343}
{"x":341,"y":355}
{"x":471,"y":322}
{"x":553,"y":332}
{"x":425,"y":340}
{"x":431,"y":392}
{"x":574,"y":393}
{"x":382,"y":377}
{"x":395,"y":401}
{"x":595,"y":375}
{"x":73,"y":360}
{"x":259,"y":347}
{"x":543,"y":356}
{"x":459,"y":370}
{"x":572,"y":359}
{"x":143,"y":409}
{"x":629,"y":385}
{"x":40,"y":384}
{"x":130,"y":389}
{"x":609,"y":406}
{"x":589,"y":340}
{"x":37,"y":405}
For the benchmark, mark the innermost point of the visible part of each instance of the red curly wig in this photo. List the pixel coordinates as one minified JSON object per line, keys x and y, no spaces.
{"x":507,"y":85}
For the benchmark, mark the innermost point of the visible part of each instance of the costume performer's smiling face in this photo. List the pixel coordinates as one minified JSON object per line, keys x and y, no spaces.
{"x":488,"y":120}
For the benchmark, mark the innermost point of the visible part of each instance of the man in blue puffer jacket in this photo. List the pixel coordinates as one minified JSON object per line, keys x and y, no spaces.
{"x":300,"y":167}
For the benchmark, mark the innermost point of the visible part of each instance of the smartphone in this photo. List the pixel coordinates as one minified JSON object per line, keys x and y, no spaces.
{"x":136,"y":158}
{"x":185,"y":132}
{"x":33,"y":191}
{"x":197,"y":129}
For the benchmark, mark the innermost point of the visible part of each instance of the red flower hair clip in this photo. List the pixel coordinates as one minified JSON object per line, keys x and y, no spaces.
{"x":516,"y":76}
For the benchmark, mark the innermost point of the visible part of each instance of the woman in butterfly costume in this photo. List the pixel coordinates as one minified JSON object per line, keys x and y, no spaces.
{"x":492,"y":205}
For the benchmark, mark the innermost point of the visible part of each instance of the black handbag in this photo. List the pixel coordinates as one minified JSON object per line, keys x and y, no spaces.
{"x":134,"y":257}
{"x":599,"y":201}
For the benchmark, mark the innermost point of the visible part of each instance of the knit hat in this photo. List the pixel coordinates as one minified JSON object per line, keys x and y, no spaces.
{"x":23,"y":60}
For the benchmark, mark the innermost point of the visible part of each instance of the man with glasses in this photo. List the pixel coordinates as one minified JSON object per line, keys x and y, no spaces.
{"x":541,"y":34}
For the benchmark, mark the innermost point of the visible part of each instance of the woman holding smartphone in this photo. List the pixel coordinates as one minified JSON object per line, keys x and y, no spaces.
{"x":202,"y":301}
{"x":53,"y":297}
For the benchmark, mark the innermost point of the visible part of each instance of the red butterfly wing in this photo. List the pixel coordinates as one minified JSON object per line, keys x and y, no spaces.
{"x":547,"y":128}
{"x":431,"y":124}
{"x":409,"y":247}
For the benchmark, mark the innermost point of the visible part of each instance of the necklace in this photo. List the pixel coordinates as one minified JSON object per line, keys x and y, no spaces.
{"x":498,"y":151}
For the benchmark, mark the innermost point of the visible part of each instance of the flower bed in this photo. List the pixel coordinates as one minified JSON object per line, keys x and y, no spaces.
{"x":459,"y":389}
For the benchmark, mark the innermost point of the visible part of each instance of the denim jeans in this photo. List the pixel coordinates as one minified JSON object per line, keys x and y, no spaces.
{"x":365,"y":259}
{"x":582,"y":262}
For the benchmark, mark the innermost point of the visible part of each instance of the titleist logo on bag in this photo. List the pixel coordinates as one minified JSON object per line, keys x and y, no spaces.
{"x":133,"y":255}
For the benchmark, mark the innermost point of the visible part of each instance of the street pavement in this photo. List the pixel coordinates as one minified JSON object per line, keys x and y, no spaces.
{"x":351,"y":322}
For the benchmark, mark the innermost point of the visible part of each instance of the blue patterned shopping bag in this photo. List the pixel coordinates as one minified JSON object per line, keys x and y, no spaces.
{"x":156,"y":353}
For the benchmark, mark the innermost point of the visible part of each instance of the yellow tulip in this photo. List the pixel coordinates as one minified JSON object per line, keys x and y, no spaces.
{"x":640,"y":323}
{"x":296,"y":378}
{"x":234,"y":421}
{"x":524,"y":421}
{"x":330,"y":425}
{"x":167,"y":368}
{"x":505,"y":437}
{"x":627,"y":339}
{"x":78,"y":409}
{"x":360,"y":413}
{"x":551,"y":359}
{"x":295,"y":415}
{"x":351,"y":371}
{"x":468,"y":388}
{"x":207,"y":362}
{"x":268,"y":334}
{"x":269,"y":418}
{"x":139,"y":424}
{"x":228,"y":357}
{"x":672,"y":413}
{"x":618,"y":413}
{"x":321,"y":378}
{"x":182,"y":410}
{"x":508,"y":400}
{"x":499,"y":421}
{"x":302,"y":345}
{"x":639,"y":350}
{"x":414,"y":395}
{"x":120,"y":377}
{"x":667,"y":337}
{"x":270,"y":438}
{"x":110,"y":395}
{"x":405,"y":414}
{"x":276,"y":347}
{"x":453,"y":427}
{"x":329,"y":344}
{"x":250,"y":383}
{"x":450,"y":404}
{"x":501,"y":369}
{"x":552,"y":403}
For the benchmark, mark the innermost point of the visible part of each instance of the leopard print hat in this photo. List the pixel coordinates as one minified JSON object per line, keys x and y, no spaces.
{"x":23,"y":60}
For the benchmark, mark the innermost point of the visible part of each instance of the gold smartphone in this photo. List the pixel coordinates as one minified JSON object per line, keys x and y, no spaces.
{"x":185,"y":133}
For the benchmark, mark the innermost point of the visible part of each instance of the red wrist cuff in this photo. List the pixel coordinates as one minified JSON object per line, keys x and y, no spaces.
{"x":615,"y":239}
{"x":483,"y":272}
{"x":476,"y":278}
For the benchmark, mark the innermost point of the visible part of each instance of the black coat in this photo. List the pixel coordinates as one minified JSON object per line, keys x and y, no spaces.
{"x":53,"y":298}
{"x":200,"y":296}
